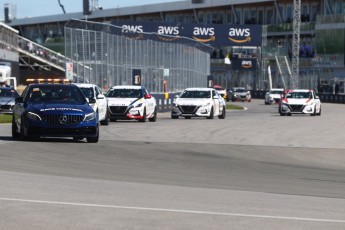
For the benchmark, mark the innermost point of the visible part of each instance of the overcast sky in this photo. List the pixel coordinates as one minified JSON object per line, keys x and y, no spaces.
{"x":36,"y":8}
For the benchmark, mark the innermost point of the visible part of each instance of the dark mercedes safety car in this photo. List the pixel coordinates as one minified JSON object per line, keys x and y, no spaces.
{"x":54,"y":110}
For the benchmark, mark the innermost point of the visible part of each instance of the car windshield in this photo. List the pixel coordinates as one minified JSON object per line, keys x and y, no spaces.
{"x":88,"y":92}
{"x":125,"y":93}
{"x":299,"y":95}
{"x":240,"y":90}
{"x":195,"y":94}
{"x":4,"y":92}
{"x":55,"y":93}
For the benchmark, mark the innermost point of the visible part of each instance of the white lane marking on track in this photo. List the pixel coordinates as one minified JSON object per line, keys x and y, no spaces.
{"x":173,"y":210}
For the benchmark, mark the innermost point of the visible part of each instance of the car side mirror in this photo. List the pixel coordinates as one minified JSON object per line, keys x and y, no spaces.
{"x":147,"y":96}
{"x":317,"y":97}
{"x":100,"y":96}
{"x":18,"y":100}
{"x":92,"y":100}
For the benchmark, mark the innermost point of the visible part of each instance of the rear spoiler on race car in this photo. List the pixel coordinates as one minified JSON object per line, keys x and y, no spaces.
{"x":48,"y":81}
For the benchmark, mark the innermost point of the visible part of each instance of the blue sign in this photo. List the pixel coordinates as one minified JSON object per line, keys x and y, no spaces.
{"x":209,"y":34}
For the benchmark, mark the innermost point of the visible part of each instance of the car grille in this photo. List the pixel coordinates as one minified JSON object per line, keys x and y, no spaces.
{"x":60,"y":119}
{"x":188,"y":108}
{"x":296,"y":108}
{"x":118,"y":109}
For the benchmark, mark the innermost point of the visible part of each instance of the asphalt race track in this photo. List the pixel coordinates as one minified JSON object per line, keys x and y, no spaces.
{"x":252,"y":170}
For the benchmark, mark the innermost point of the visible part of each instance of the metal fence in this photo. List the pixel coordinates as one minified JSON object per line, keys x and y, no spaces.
{"x":105,"y":55}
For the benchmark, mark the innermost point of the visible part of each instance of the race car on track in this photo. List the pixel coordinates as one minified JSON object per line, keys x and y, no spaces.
{"x":300,"y":101}
{"x":273,"y":96}
{"x":221,"y":91}
{"x":100,"y":105}
{"x":239,"y":94}
{"x":54,"y":110}
{"x":198,"y":102}
{"x":131,"y":102}
{"x":7,"y":97}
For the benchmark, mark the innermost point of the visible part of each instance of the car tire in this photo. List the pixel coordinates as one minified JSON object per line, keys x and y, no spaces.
{"x":144,"y":116}
{"x":106,"y":120}
{"x":313,"y":114}
{"x":211,"y":114}
{"x":93,"y":139}
{"x":22,"y":135}
{"x":15,"y":134}
{"x":222,"y":116}
{"x":174,"y":117}
{"x":319,"y":113}
{"x":154,"y":118}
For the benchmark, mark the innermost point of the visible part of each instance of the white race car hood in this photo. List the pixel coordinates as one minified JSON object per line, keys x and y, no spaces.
{"x":192,"y":101}
{"x":122,"y":101}
{"x":294,"y":101}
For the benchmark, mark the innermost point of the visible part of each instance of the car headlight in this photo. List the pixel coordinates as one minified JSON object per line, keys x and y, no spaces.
{"x":90,"y":116}
{"x":206,"y":105}
{"x":137,"y":105}
{"x":34,"y":116}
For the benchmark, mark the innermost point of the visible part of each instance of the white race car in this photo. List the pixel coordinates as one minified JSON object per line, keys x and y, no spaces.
{"x":97,"y":101}
{"x":273,"y":96}
{"x":131,"y":102}
{"x":198,"y":102}
{"x":303,"y":101}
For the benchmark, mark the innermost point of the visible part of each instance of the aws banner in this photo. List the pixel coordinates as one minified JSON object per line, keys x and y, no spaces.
{"x":210,"y":34}
{"x":244,"y":64}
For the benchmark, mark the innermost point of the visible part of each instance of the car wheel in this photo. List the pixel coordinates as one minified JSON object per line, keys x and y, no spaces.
{"x":22,"y":135}
{"x":106,"y":120}
{"x":222,"y":116}
{"x":174,"y":117}
{"x":144,"y":116}
{"x":319,"y":113}
{"x":154,"y":118}
{"x":15,"y":134}
{"x":211,"y":114}
{"x":313,"y":114}
{"x":282,"y":114}
{"x":187,"y":117}
{"x":93,"y":139}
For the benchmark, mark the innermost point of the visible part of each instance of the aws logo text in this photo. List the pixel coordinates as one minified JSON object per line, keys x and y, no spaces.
{"x":242,"y":35}
{"x":247,"y":64}
{"x":168,"y":30}
{"x":206,"y":33}
{"x":133,"y":29}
